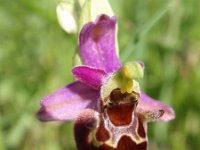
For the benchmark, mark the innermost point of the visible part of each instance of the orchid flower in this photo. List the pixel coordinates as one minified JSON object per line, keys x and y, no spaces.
{"x":109,"y":109}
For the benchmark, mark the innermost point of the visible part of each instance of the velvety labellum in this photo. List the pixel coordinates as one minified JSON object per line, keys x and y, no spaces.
{"x":118,"y":126}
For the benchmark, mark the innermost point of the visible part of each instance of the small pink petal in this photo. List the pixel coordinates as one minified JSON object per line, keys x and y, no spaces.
{"x":68,"y":102}
{"x":154,"y":110}
{"x":89,"y":75}
{"x":97,"y":44}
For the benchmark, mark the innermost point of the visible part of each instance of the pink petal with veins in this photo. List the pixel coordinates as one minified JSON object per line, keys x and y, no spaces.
{"x":68,"y":102}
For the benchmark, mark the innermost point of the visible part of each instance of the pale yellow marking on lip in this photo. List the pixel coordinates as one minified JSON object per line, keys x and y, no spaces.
{"x":113,"y":140}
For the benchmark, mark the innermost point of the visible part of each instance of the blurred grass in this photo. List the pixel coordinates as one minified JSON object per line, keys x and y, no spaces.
{"x":36,"y":59}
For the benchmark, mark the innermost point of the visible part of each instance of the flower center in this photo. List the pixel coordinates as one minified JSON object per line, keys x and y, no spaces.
{"x":127,"y":74}
{"x":120,"y":107}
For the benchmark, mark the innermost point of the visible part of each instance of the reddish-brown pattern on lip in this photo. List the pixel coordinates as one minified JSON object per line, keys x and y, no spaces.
{"x":120,"y":114}
{"x":141,"y":130}
{"x":118,"y":126}
{"x":102,"y":134}
{"x":85,"y":125}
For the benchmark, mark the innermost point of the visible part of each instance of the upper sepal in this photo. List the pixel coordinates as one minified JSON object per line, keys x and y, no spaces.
{"x":97,"y":44}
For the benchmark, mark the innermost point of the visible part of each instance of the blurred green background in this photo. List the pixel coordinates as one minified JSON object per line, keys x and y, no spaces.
{"x":36,"y":59}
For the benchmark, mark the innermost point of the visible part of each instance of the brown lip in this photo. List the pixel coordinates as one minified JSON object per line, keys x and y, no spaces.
{"x":120,"y":115}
